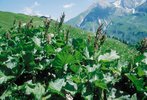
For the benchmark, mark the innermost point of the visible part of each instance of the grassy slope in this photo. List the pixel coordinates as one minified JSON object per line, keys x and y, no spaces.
{"x":7,"y":18}
{"x":134,"y":27}
{"x":126,"y":52}
{"x":123,"y":50}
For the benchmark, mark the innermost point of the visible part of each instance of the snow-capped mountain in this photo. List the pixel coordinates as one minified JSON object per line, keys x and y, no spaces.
{"x":103,"y":9}
{"x":129,"y":15}
{"x":142,"y":8}
{"x":129,"y":4}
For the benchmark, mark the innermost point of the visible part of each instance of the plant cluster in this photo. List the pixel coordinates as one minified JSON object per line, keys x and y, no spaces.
{"x":44,"y":63}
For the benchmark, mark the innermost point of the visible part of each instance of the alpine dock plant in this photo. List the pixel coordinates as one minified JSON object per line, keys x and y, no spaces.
{"x":99,"y":38}
{"x":61,"y":22}
{"x":46,"y":63}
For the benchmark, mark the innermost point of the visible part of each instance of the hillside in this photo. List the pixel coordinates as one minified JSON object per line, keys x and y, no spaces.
{"x":130,"y":28}
{"x":7,"y":19}
{"x":126,"y":52}
{"x":53,"y":61}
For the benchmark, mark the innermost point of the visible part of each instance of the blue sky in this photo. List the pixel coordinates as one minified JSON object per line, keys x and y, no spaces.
{"x":53,"y":8}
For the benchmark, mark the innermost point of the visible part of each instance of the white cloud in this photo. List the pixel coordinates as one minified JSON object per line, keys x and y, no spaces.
{"x":36,"y":3}
{"x":70,"y":5}
{"x":31,"y":10}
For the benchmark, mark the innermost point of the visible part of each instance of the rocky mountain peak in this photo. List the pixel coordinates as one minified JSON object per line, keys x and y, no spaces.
{"x":128,"y":4}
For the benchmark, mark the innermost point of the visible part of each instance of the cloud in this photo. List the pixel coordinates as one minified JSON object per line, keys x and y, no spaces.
{"x":31,"y":10}
{"x":36,"y":3}
{"x":70,"y":5}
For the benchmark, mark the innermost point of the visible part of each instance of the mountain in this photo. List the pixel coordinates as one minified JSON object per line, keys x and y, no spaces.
{"x":129,"y":4}
{"x":142,"y":8}
{"x":121,"y":19}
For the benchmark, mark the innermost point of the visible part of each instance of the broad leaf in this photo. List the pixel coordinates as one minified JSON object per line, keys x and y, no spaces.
{"x":75,"y":68}
{"x":36,"y":89}
{"x":71,"y":87}
{"x":101,"y":84}
{"x":57,"y":84}
{"x":137,"y":82}
{"x":62,"y":58}
{"x":109,"y":56}
{"x":49,"y":49}
{"x":4,"y":78}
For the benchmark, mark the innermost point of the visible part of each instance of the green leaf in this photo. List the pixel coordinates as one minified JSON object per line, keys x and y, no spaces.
{"x":137,"y":82}
{"x":101,"y":84}
{"x":134,"y":97}
{"x":4,"y":78}
{"x":37,"y":41}
{"x":59,"y":43}
{"x":28,"y":46}
{"x":77,"y":56}
{"x":86,"y":53}
{"x":6,"y":94}
{"x":87,"y":92}
{"x":76,"y":79}
{"x":49,"y":49}
{"x":140,"y":71}
{"x":11,"y":65}
{"x":139,"y":58}
{"x":11,"y":62}
{"x":62,"y":58}
{"x":75,"y":68}
{"x":36,"y":89}
{"x":79,"y":44}
{"x":57,"y":84}
{"x":54,"y":92}
{"x":71,"y":87}
{"x":28,"y":57}
{"x":9,"y":92}
{"x":3,"y":57}
{"x":108,"y":57}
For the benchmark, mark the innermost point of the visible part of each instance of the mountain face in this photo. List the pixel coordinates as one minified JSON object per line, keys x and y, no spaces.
{"x":142,"y":8}
{"x":123,"y":19}
{"x":129,"y":4}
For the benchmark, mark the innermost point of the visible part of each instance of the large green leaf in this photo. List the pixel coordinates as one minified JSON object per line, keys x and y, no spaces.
{"x":108,"y":57}
{"x":49,"y":49}
{"x":140,"y":72}
{"x":71,"y":87}
{"x":137,"y":82}
{"x":79,"y":44}
{"x":75,"y":68}
{"x":4,"y":78}
{"x":37,"y":90}
{"x":9,"y":92}
{"x":62,"y":59}
{"x":11,"y":62}
{"x":101,"y":84}
{"x":37,"y":41}
{"x":28,"y":58}
{"x":3,"y":57}
{"x":87,"y":92}
{"x":57,"y":84}
{"x":77,"y":56}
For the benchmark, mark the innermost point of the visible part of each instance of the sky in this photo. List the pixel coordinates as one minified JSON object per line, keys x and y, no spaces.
{"x":52,"y":8}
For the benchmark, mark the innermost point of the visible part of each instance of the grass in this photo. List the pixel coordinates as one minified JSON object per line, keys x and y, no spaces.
{"x":126,"y":52}
{"x":7,"y":18}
